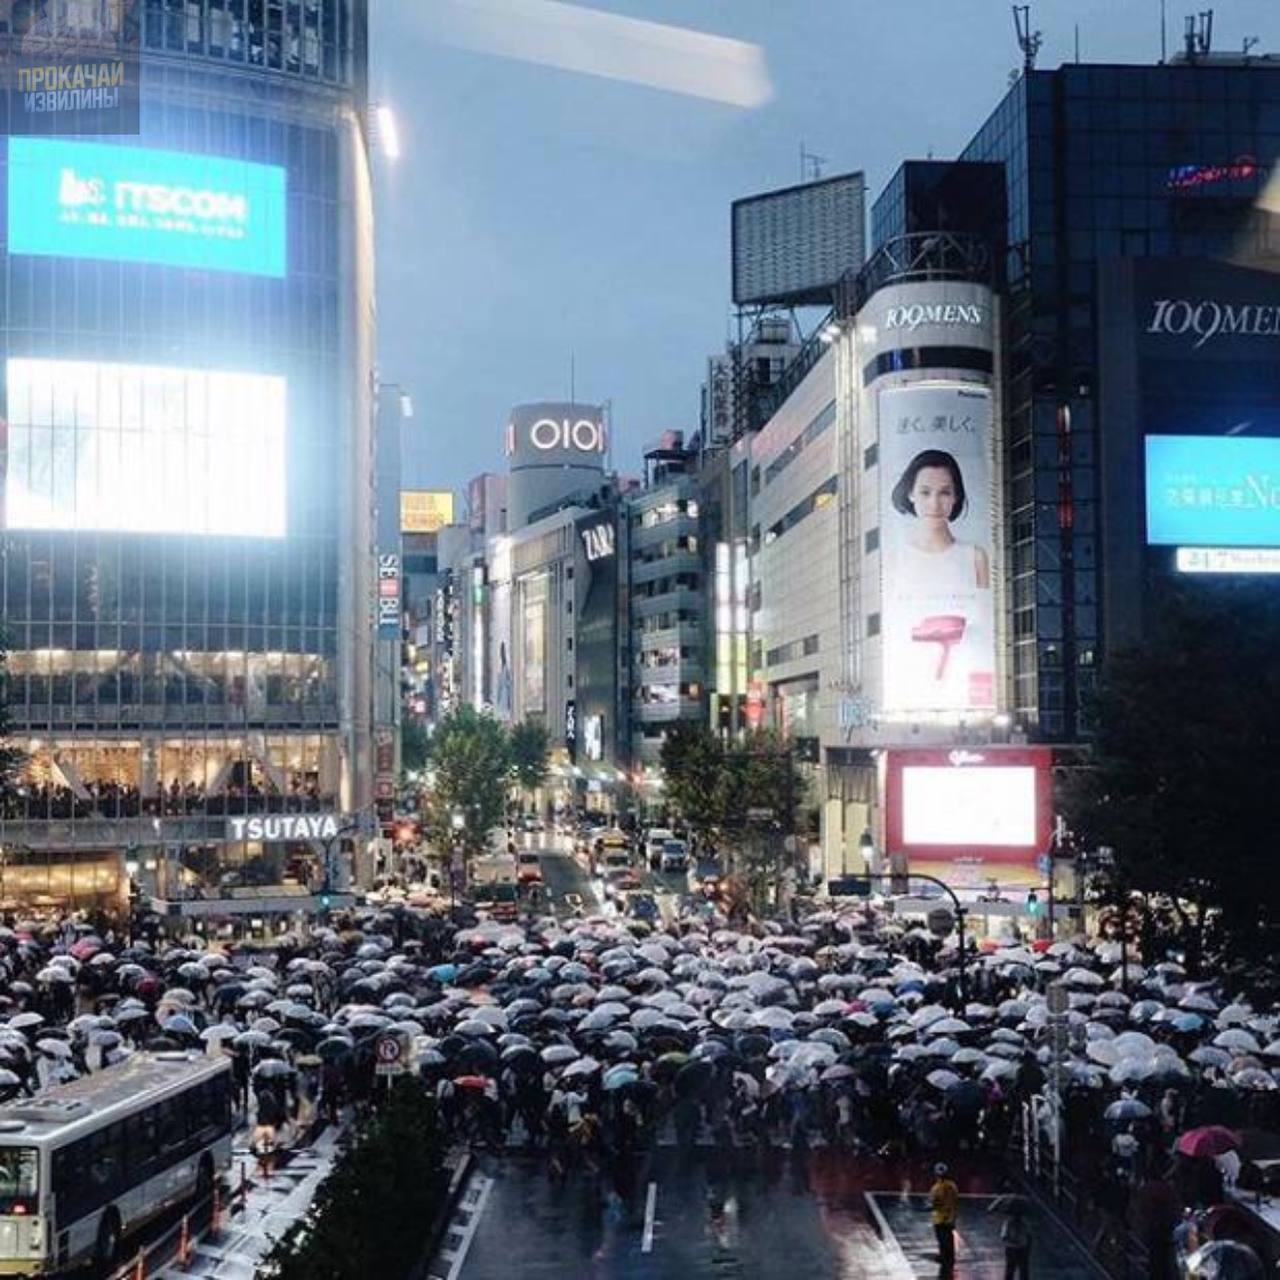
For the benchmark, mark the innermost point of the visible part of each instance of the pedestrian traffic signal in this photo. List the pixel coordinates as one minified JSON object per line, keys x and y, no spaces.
{"x":1033,"y":903}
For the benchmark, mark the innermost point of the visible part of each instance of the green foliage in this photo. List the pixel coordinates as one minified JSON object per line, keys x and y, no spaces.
{"x":725,"y":792}
{"x":530,"y":755}
{"x":371,"y":1215}
{"x":693,"y":767}
{"x":471,"y":758}
{"x":1184,"y":767}
{"x":415,"y":745}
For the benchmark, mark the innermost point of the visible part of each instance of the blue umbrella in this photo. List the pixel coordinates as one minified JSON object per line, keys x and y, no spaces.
{"x":617,"y":1077}
{"x":443,"y":972}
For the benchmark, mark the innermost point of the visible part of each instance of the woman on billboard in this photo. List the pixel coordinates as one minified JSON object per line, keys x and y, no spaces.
{"x":931,"y":490}
{"x":944,"y":583}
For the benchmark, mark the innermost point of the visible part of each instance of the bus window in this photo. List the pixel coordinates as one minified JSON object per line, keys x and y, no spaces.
{"x":19,"y":1168}
{"x":142,"y":1144}
{"x":173,"y":1125}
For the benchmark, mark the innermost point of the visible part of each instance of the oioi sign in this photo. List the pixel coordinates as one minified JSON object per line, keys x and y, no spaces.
{"x":582,"y":435}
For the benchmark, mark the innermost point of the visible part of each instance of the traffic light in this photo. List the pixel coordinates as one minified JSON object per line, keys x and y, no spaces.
{"x":1033,"y":904}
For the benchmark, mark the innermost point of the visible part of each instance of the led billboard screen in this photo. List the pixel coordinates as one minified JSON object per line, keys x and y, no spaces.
{"x":136,"y":204}
{"x":792,"y":245}
{"x":1213,"y":491}
{"x":937,"y":613}
{"x":992,"y":806}
{"x":425,"y":510}
{"x":969,"y":816}
{"x":144,"y":449}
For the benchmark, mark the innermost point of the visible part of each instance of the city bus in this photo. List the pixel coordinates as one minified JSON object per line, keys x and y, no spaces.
{"x":85,"y":1163}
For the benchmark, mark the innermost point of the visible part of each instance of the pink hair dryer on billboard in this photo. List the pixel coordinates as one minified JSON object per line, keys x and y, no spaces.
{"x":945,"y":630}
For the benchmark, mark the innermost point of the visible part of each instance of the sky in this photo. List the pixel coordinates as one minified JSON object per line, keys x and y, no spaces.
{"x":548,"y":229}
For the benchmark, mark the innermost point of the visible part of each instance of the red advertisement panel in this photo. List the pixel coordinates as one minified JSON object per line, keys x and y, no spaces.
{"x":971,"y":814}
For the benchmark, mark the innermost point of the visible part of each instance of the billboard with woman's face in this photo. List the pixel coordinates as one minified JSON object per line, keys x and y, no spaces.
{"x":937,"y":619}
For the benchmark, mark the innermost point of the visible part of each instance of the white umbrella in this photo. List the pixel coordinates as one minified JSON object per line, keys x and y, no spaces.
{"x":1237,"y":1040}
{"x":943,"y":1080}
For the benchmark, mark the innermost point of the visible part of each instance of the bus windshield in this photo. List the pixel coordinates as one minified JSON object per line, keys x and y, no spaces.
{"x":18,"y":1179}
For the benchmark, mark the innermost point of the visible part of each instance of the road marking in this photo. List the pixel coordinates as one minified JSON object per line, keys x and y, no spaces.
{"x":457,"y":1254}
{"x":650,"y":1205}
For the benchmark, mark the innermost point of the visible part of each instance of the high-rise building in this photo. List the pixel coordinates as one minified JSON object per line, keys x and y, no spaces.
{"x":188,"y":550}
{"x":1102,"y":164}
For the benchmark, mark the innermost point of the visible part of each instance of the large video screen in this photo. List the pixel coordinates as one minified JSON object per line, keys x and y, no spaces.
{"x":137,"y":204}
{"x":994,"y":805}
{"x":144,"y":449}
{"x":1213,"y":491}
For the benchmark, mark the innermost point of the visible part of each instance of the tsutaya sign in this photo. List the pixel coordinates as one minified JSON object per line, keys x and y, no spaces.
{"x":287,"y":826}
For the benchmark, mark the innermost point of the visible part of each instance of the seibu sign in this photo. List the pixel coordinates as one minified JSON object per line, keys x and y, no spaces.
{"x":286,"y":826}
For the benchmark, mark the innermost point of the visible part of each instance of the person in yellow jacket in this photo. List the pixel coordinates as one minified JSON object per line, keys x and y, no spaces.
{"x":944,"y":1203}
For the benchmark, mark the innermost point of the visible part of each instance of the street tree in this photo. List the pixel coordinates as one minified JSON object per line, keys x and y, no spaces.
{"x":693,"y":770}
{"x":471,"y":760}
{"x":1183,"y":768}
{"x":415,"y":746}
{"x":762,"y":789}
{"x":530,"y":755}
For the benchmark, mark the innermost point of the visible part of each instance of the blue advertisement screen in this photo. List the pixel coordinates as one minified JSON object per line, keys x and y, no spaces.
{"x":1213,"y":491}
{"x":136,"y":204}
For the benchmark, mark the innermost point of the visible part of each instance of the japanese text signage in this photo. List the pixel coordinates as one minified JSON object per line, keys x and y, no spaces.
{"x":136,"y":204}
{"x":1213,"y":491}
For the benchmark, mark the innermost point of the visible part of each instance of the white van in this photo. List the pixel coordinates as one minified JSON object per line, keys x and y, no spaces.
{"x":654,"y":841}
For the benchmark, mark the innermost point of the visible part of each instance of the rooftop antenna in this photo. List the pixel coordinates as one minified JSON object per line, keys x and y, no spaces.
{"x":1249,"y":42}
{"x":810,"y":165}
{"x":1164,"y":39}
{"x":1028,"y":41}
{"x":1198,"y":34}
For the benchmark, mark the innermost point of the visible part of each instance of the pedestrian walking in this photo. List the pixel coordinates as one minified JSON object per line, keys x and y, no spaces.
{"x":1016,"y":1236}
{"x":944,"y":1205}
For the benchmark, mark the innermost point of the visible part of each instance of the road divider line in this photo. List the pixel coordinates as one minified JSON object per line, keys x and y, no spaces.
{"x":650,"y":1207}
{"x":458,"y":1255}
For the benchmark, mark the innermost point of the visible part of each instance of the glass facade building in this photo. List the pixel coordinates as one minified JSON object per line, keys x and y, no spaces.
{"x":1100,"y":163}
{"x":187,"y":488}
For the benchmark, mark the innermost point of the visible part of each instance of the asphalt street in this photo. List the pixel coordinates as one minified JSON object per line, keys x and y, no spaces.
{"x":819,"y":1215}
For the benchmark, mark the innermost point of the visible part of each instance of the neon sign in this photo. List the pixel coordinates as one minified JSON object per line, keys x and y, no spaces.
{"x":1192,"y":177}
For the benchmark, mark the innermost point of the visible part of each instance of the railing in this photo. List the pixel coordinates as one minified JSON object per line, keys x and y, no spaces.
{"x":919,"y":257}
{"x":1088,"y":1216}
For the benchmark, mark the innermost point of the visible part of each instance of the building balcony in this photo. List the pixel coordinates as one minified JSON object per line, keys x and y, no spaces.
{"x":668,"y":601}
{"x":667,"y":566}
{"x":91,"y":717}
{"x":667,"y":712}
{"x":645,"y":537}
{"x":683,"y":671}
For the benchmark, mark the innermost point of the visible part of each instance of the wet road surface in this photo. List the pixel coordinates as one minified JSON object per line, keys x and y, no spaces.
{"x":826,"y":1214}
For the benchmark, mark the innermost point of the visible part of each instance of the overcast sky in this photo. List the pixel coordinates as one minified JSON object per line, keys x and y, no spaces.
{"x":541,"y":216}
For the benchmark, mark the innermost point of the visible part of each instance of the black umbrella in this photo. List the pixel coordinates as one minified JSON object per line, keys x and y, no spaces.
{"x":693,"y":1078}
